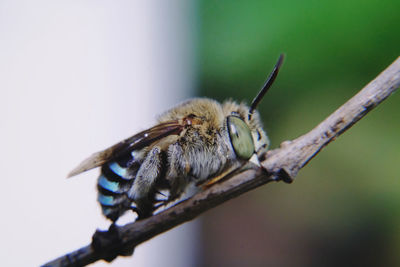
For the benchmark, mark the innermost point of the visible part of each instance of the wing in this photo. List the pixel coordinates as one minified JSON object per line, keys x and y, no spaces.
{"x":138,"y":141}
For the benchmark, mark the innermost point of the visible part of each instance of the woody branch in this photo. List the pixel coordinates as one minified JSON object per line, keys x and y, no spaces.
{"x":281,"y":164}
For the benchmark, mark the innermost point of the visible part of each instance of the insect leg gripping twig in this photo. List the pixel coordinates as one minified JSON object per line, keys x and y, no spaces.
{"x":282,"y":163}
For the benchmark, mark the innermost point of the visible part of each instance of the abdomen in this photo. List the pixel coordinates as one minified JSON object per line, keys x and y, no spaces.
{"x":113,"y":183}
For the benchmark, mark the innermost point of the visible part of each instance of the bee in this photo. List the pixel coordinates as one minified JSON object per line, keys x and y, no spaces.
{"x":195,"y":144}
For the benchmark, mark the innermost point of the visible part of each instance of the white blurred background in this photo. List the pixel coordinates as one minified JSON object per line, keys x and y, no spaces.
{"x":75,"y":78}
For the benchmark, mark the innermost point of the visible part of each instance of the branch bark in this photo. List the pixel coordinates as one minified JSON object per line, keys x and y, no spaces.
{"x":281,"y":164}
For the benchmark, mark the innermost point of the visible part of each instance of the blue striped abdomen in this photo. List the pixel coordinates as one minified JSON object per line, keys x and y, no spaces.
{"x":115,"y":180}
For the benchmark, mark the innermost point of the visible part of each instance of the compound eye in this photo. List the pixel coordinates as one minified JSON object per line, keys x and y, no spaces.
{"x":240,"y":136}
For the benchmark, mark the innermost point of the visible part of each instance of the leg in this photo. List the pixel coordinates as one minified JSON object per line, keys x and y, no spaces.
{"x":224,"y":174}
{"x":176,"y":172}
{"x":143,"y":189}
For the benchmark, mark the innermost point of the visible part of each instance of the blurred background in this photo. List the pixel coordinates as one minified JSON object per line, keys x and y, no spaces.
{"x":79,"y":76}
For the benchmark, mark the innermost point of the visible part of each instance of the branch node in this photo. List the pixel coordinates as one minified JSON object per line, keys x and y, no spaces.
{"x":284,"y":176}
{"x":109,"y":244}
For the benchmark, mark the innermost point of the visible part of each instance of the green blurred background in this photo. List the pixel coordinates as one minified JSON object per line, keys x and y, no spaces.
{"x":344,"y":207}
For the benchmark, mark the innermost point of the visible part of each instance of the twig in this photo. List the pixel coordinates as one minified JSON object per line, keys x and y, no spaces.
{"x":282,"y":164}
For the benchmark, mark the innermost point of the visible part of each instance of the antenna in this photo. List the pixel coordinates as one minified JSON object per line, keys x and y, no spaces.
{"x":270,"y":80}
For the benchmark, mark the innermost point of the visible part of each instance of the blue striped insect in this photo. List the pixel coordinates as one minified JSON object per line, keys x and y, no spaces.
{"x":193,"y":145}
